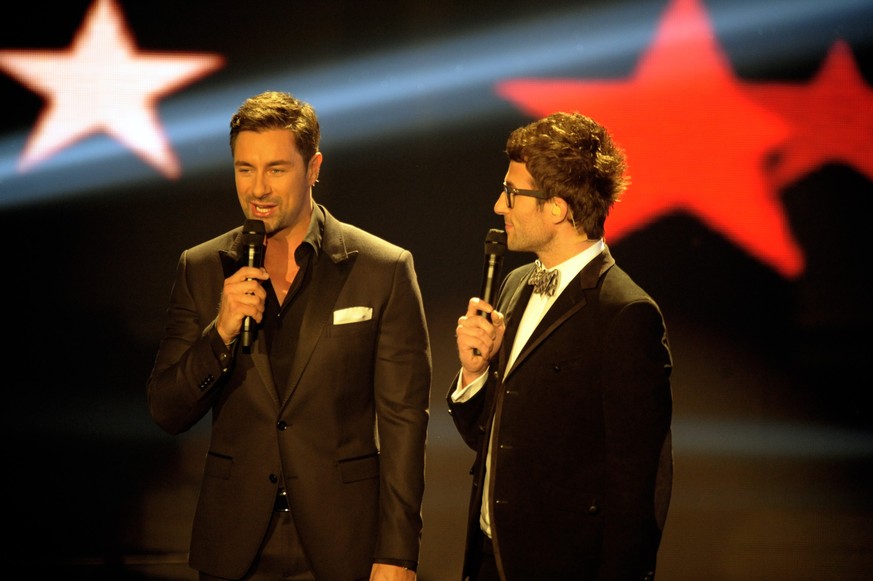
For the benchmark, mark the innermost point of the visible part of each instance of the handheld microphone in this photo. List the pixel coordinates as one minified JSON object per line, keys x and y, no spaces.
{"x":495,"y":248}
{"x":253,"y":235}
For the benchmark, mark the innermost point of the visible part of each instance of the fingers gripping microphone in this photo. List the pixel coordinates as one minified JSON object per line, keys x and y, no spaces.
{"x":253,"y":235}
{"x":495,"y":248}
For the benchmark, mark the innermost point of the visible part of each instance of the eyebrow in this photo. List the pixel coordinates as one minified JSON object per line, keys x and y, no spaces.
{"x":274,"y":163}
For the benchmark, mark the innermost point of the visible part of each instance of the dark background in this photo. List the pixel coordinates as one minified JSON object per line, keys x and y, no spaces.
{"x":772,"y":429}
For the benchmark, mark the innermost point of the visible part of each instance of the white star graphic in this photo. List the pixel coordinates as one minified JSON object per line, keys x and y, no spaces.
{"x":103,"y":83}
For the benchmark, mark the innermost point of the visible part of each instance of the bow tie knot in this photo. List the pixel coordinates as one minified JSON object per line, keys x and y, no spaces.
{"x":544,"y":281}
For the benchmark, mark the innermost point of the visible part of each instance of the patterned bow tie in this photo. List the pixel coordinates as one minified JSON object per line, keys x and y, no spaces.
{"x":544,"y":281}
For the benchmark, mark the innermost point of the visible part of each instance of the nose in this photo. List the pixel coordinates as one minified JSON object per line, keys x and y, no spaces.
{"x":500,"y":206}
{"x":261,"y":186}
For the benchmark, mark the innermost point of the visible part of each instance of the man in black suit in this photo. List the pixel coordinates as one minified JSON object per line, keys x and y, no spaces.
{"x":564,"y":389}
{"x":315,"y":468}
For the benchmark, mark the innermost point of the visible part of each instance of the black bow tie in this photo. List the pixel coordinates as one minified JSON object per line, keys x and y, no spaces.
{"x":544,"y":281}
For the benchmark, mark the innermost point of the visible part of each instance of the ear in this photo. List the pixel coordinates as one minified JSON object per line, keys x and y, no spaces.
{"x":556,"y":209}
{"x":314,"y":168}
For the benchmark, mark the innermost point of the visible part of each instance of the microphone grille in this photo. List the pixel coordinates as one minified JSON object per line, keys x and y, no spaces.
{"x":495,"y":242}
{"x":254,"y":227}
{"x":253,"y":233}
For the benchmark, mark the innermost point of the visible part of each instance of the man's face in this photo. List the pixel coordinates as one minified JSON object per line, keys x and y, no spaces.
{"x":273,"y":183}
{"x":527,"y":227}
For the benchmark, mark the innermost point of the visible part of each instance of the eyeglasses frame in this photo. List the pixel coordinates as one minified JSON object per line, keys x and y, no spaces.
{"x":511,"y":191}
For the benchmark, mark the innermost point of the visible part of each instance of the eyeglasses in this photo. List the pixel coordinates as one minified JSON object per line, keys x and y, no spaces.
{"x":511,"y":192}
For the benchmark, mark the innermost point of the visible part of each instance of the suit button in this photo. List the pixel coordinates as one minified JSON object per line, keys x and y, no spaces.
{"x":281,"y":425}
{"x":274,"y":479}
{"x":593,"y":509}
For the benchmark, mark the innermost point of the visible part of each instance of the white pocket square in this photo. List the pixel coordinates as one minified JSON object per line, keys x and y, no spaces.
{"x":352,"y":315}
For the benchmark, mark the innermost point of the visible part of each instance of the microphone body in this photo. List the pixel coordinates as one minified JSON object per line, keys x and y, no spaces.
{"x":495,"y":248}
{"x":253,"y":236}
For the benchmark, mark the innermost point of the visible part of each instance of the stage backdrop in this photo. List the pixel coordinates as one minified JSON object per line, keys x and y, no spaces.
{"x":749,"y":131}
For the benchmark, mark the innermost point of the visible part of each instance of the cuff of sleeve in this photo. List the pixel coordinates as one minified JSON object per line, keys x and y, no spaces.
{"x":224,"y":353}
{"x":462,"y":394}
{"x":411,"y":565}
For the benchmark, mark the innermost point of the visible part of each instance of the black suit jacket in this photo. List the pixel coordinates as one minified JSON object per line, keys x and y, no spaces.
{"x":582,"y":457}
{"x":349,"y":442}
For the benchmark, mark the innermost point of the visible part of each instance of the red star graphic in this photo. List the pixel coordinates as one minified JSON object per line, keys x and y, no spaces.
{"x":102,"y":83}
{"x":695,"y":141}
{"x":831,"y":117}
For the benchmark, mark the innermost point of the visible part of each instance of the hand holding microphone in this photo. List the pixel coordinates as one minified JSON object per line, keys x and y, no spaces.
{"x":253,"y":239}
{"x":242,"y":298}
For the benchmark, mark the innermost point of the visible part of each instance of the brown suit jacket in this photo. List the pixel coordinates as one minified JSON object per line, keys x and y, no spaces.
{"x":349,"y":442}
{"x":582,"y":460}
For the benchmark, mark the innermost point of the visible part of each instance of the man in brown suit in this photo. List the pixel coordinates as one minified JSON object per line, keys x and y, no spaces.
{"x":315,"y":467}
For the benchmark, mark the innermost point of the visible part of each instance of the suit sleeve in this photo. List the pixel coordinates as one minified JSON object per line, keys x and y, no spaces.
{"x":637,"y":404}
{"x":191,"y":359}
{"x":402,"y":382}
{"x":468,"y":415}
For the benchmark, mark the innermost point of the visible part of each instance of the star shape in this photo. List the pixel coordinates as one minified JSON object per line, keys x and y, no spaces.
{"x":102,"y":83}
{"x":695,"y":141}
{"x":831,"y":118}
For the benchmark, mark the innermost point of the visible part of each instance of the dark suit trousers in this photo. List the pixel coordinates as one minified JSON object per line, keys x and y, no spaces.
{"x":486,"y":570}
{"x":281,"y":555}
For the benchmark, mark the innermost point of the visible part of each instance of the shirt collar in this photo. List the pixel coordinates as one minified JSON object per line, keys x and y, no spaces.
{"x":314,"y":233}
{"x":574,"y":265}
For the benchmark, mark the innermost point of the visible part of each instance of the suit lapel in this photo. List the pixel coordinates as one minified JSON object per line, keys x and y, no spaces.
{"x":570,"y":302}
{"x":230,"y":258}
{"x":333,"y":266}
{"x":326,"y":286}
{"x":231,"y":261}
{"x":261,"y":361}
{"x":514,"y":310}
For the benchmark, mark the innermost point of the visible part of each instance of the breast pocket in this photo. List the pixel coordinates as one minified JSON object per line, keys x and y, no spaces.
{"x":354,"y":328}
